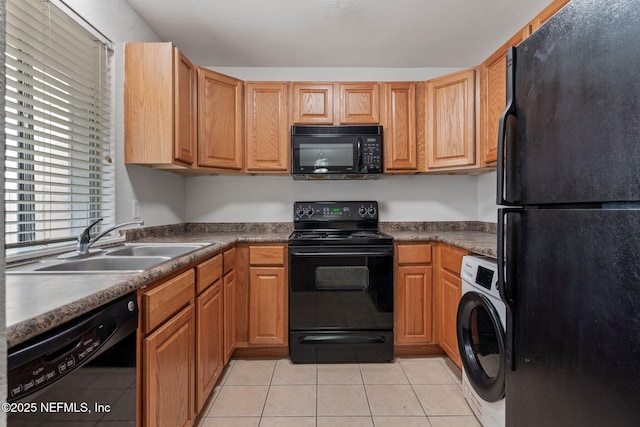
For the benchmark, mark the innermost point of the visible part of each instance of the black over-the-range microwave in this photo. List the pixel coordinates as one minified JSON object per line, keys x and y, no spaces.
{"x":336,"y":152}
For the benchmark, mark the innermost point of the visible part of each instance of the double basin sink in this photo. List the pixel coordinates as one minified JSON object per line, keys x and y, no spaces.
{"x":127,"y":258}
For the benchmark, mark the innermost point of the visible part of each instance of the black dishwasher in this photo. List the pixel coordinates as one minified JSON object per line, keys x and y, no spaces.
{"x":82,"y":373}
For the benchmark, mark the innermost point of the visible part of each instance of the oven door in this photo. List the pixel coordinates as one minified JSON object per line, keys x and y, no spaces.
{"x":341,"y":304}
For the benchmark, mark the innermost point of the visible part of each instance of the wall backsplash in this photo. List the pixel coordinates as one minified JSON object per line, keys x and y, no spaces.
{"x":270,"y":198}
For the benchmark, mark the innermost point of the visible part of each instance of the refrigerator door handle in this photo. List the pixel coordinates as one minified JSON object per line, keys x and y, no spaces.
{"x":505,"y":277}
{"x":502,"y":129}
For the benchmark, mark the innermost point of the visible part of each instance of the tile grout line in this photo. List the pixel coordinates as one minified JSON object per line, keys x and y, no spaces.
{"x":415,"y":394}
{"x":264,"y":405}
{"x":364,"y":387}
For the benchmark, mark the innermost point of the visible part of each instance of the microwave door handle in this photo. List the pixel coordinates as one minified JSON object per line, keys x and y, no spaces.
{"x":359,"y":144}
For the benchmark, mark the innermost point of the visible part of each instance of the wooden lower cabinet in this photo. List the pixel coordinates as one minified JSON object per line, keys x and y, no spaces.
{"x":267,"y":306}
{"x":182,"y":341}
{"x":168,"y":372}
{"x":451,"y":293}
{"x":229,"y":283}
{"x":414,"y":304}
{"x":261,"y":292}
{"x":414,"y":294}
{"x":209,"y":341}
{"x":447,"y":297}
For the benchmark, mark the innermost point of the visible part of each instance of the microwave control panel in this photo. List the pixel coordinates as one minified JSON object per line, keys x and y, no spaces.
{"x":371,"y":154}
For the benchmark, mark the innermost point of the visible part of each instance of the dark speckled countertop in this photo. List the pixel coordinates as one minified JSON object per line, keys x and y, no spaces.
{"x":62,"y":297}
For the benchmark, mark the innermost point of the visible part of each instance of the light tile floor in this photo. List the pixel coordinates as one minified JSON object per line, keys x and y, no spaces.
{"x":410,"y":392}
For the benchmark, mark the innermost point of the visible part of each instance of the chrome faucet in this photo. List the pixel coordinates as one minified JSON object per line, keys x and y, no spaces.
{"x":85,"y":241}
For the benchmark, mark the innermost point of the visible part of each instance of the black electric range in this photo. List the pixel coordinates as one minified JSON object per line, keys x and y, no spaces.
{"x":340,"y":284}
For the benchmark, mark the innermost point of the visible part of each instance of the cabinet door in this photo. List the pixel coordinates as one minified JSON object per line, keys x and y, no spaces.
{"x":493,"y":98}
{"x":359,"y":103}
{"x":312,"y":103}
{"x":414,"y":302}
{"x":185,"y":109}
{"x":267,"y":128}
{"x":219,"y":121}
{"x":209,"y":342}
{"x":451,"y":121}
{"x":400,"y":147}
{"x":149,"y":113}
{"x":168,"y":373}
{"x":451,"y":288}
{"x":267,"y":306}
{"x":229,"y":315}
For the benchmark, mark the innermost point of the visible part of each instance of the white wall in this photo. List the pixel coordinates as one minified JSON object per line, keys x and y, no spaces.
{"x":270,"y":198}
{"x":487,"y":208}
{"x":161,"y":194}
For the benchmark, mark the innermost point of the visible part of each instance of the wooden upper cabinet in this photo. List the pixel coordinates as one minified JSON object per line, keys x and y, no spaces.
{"x":493,"y":97}
{"x":312,"y":103}
{"x":359,"y":103}
{"x":399,"y":121}
{"x":185,"y":109}
{"x":160,"y":105}
{"x":219,"y":121}
{"x":267,"y":128}
{"x":451,"y":122}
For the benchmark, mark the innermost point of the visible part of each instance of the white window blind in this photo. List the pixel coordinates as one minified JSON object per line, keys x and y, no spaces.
{"x":58,"y":172}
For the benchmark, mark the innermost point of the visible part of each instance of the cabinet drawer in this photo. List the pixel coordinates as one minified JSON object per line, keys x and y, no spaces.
{"x":414,"y":254}
{"x":208,"y":272}
{"x":229,"y":260}
{"x":266,"y":255}
{"x":163,"y":301}
{"x":451,"y":258}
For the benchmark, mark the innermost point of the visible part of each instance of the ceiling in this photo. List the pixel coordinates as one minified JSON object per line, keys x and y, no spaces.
{"x":337,"y":33}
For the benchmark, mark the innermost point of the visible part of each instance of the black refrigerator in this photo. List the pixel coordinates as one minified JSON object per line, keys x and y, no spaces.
{"x":569,"y":242}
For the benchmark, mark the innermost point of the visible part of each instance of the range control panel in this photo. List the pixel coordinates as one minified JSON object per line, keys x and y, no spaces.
{"x":335,"y":211}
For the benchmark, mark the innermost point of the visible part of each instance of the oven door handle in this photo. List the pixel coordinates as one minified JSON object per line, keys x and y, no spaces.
{"x":342,"y":339}
{"x":343,"y":253}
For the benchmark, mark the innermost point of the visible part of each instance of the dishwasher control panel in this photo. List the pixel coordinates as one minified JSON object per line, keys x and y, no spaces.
{"x":47,"y":358}
{"x":37,"y":373}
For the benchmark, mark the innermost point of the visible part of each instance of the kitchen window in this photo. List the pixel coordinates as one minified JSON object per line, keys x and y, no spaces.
{"x":58,"y":170}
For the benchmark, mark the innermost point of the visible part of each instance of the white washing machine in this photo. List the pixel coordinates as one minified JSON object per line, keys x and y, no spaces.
{"x":481,"y":340}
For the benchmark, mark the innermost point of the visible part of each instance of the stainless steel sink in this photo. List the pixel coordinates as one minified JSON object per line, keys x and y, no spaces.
{"x":169,"y":250}
{"x":129,"y":264}
{"x":95,"y":265}
{"x":128,"y":258}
